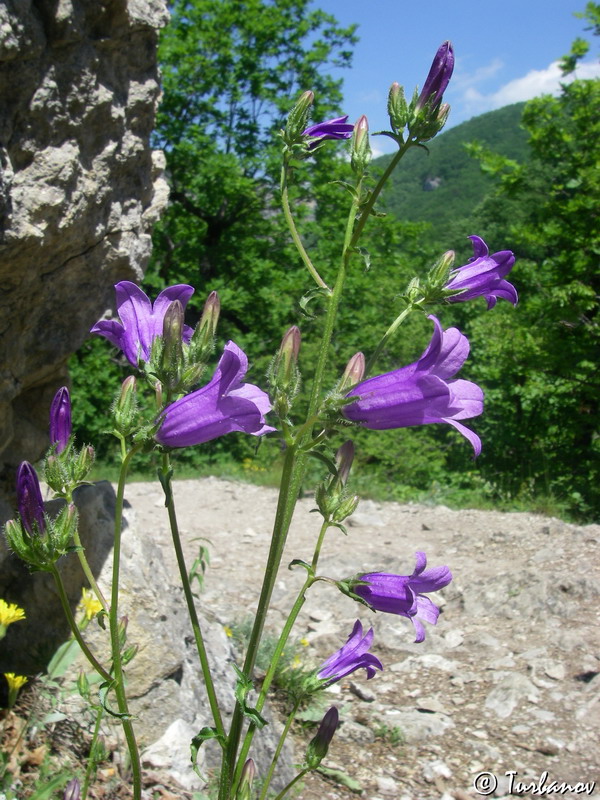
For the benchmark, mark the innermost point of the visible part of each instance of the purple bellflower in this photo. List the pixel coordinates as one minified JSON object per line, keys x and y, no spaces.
{"x":337,"y":128}
{"x":421,"y":392}
{"x":224,"y":405}
{"x":352,"y":656}
{"x":29,"y":499}
{"x":399,"y":594}
{"x":483,"y":276}
{"x":60,"y":419}
{"x":439,"y":76}
{"x":141,"y":321}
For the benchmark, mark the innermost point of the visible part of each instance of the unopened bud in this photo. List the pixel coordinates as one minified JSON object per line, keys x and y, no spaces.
{"x":343,"y":459}
{"x":173,"y":340}
{"x":84,"y":463}
{"x":438,"y":274}
{"x":288,"y":355}
{"x":438,"y":78}
{"x":346,"y":507}
{"x":397,"y":108}
{"x":29,"y":500}
{"x":72,"y":790}
{"x":244,"y":791}
{"x":319,"y":745}
{"x":125,"y":407}
{"x":122,"y":629}
{"x":60,"y":419}
{"x":298,"y":117}
{"x":353,"y":374}
{"x":83,"y":685}
{"x":361,"y":149}
{"x":204,"y":335}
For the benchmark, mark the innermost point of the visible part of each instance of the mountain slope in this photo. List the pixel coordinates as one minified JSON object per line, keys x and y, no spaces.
{"x":447,"y":184}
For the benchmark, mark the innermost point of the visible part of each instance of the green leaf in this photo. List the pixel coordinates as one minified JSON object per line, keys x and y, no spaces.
{"x":340,"y":777}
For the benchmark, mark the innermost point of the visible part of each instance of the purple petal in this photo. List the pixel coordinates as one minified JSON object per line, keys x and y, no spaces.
{"x":431,"y":580}
{"x":427,"y":610}
{"x":467,"y":433}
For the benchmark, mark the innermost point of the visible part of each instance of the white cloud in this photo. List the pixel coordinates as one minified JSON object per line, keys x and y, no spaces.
{"x":533,"y":84}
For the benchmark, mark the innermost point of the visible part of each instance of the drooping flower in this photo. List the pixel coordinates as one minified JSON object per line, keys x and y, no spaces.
{"x":224,"y":405}
{"x":352,"y":656}
{"x":29,"y":499}
{"x":483,"y":276}
{"x":60,"y":419}
{"x":421,"y":392}
{"x":439,"y":76}
{"x":337,"y":128}
{"x":141,"y":321}
{"x":404,"y":595}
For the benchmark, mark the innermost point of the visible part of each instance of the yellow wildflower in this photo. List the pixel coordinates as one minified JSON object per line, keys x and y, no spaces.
{"x":228,"y":631}
{"x":10,"y":613}
{"x":15,"y":682}
{"x":90,"y":603}
{"x":304,"y":642}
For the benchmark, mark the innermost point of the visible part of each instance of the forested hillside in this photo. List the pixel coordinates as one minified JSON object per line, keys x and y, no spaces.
{"x":448,"y":183}
{"x":531,"y":184}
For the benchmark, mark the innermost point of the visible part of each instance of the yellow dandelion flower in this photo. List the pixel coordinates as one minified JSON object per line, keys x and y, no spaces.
{"x":90,"y":603}
{"x":228,"y":631}
{"x":15,"y":682}
{"x":304,"y":641}
{"x":10,"y":613}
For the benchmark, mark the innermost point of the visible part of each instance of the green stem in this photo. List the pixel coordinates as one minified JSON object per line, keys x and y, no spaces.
{"x":291,"y":478}
{"x":366,"y":211}
{"x":74,"y":627}
{"x":88,"y":572}
{"x":386,"y":337}
{"x":92,"y":763}
{"x":189,"y":598}
{"x":118,"y":682}
{"x":286,"y":789}
{"x":280,"y":743}
{"x":278,"y":652}
{"x":289,"y":218}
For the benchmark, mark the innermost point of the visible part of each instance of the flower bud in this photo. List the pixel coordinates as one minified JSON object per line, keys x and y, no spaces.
{"x":298,"y":117}
{"x":244,"y":791}
{"x":29,"y":500}
{"x":343,"y":459}
{"x":60,"y":419}
{"x":319,"y":745}
{"x":354,"y":372}
{"x":72,"y":790}
{"x":397,"y":108}
{"x":438,"y":274}
{"x":361,"y":149}
{"x":172,"y":355}
{"x":122,"y":630}
{"x":202,"y":341}
{"x":438,"y":78}
{"x":125,"y":407}
{"x":83,"y":685}
{"x":288,"y":356}
{"x":345,"y":508}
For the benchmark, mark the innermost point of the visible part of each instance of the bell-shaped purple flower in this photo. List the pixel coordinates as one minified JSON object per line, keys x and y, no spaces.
{"x":222,"y":406}
{"x":60,"y":419}
{"x":337,"y":128}
{"x":483,"y":276}
{"x":29,"y":499}
{"x":439,"y":76}
{"x":421,"y":393}
{"x":141,"y":321}
{"x":404,"y":595}
{"x":352,"y":656}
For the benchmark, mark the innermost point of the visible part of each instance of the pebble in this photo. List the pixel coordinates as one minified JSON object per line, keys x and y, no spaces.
{"x":387,"y":786}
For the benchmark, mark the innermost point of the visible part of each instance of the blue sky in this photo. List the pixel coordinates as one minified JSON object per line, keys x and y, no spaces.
{"x":505,"y":51}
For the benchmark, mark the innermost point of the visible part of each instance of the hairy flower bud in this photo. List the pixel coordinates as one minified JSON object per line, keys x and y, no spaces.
{"x":361,"y":149}
{"x":319,"y":745}
{"x":354,"y":372}
{"x":172,"y":354}
{"x":60,"y":419}
{"x":72,"y":790}
{"x":29,"y":500}
{"x":207,"y":327}
{"x":438,"y":78}
{"x":438,"y":274}
{"x":244,"y":791}
{"x":125,"y":407}
{"x":298,"y":117}
{"x":343,"y":459}
{"x":397,"y":108}
{"x":283,"y":374}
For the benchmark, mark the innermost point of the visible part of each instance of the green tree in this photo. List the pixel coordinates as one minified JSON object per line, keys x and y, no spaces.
{"x":539,"y":365}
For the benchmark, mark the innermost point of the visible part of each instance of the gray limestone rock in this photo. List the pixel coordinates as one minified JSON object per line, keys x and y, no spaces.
{"x":80,"y":188}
